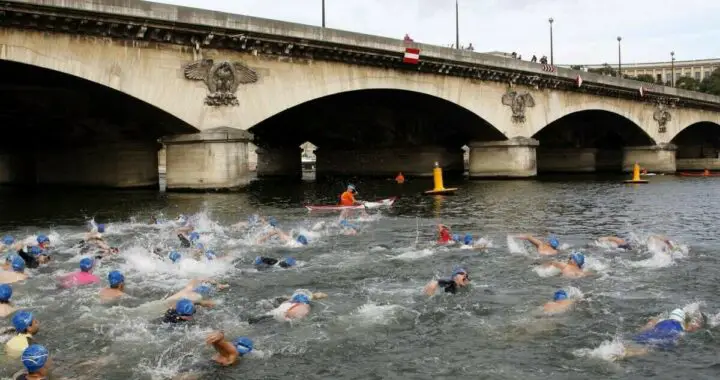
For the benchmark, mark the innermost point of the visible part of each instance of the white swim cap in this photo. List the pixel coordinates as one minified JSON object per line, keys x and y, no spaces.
{"x":678,"y":315}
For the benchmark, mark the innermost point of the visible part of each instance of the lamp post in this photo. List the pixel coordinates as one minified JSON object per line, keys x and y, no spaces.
{"x":323,"y":13}
{"x":619,"y":58}
{"x":457,"y":25}
{"x":672,"y":68}
{"x":552,"y":61}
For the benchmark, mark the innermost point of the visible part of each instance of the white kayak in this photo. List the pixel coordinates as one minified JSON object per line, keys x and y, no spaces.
{"x":369,"y":205}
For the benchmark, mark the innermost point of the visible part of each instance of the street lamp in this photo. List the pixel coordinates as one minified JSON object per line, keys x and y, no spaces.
{"x":551,"y":42}
{"x":457,"y":26}
{"x":323,"y":13}
{"x":672,"y":68}
{"x":619,"y":58}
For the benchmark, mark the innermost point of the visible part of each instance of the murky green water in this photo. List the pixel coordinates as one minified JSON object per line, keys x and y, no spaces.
{"x":375,"y":324}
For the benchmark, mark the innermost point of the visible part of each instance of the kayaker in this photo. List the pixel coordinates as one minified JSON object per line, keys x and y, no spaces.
{"x":400,"y":178}
{"x":348,"y":197}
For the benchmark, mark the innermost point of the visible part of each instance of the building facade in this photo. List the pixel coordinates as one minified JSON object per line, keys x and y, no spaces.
{"x":698,"y":69}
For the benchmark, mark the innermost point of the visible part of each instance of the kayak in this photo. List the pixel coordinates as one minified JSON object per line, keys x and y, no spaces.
{"x":370,"y":205}
{"x":698,"y":174}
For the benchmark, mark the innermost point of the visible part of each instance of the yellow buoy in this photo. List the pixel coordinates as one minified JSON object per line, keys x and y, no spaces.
{"x":439,"y":188}
{"x":636,"y":175}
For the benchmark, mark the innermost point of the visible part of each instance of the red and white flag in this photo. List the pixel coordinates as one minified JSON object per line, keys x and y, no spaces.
{"x":578,"y":80}
{"x":642,"y":91}
{"x":412,"y":55}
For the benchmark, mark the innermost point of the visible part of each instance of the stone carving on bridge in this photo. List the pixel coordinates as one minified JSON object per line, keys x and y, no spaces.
{"x":222,"y":79}
{"x":662,"y":116}
{"x":518,"y":103}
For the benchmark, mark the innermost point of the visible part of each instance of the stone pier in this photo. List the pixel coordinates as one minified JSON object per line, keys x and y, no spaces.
{"x":387,"y":162}
{"x":213,"y":159}
{"x":513,"y":158}
{"x":655,"y":158}
{"x":118,"y":164}
{"x":566,"y":160}
{"x":279,"y":162}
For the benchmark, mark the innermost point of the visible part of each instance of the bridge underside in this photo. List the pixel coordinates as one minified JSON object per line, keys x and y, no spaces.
{"x":59,"y":129}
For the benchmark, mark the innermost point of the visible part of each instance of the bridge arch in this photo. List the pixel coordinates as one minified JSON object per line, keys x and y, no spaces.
{"x":698,"y":146}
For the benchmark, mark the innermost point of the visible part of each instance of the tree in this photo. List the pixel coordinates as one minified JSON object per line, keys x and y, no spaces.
{"x":645,"y":78}
{"x":604,"y":70}
{"x":687,"y":83}
{"x":711,"y":84}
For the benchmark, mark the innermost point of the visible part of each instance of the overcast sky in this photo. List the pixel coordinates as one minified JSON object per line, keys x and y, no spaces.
{"x":585,"y":31}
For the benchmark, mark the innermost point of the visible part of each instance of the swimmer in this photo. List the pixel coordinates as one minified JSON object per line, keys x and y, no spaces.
{"x":197,"y":291}
{"x":18,"y":272}
{"x":8,"y":244}
{"x":348,"y":228}
{"x":37,"y":362}
{"x":175,"y":256}
{"x":183,"y":311}
{"x":667,"y":244}
{"x":43,"y":242}
{"x":266,"y":262}
{"x":6,"y":308}
{"x":284,"y":237}
{"x":183,"y":224}
{"x":81,"y":277}
{"x":34,"y":256}
{"x":94,"y":240}
{"x":252,"y":221}
{"x":664,"y":333}
{"x":290,"y":308}
{"x":470,"y":243}
{"x":560,"y":303}
{"x":458,"y":279}
{"x":615,"y":241}
{"x":26,"y":326}
{"x":573,"y":267}
{"x":545,"y":249}
{"x":229,"y":352}
{"x":116,"y":280}
{"x":444,"y":234}
{"x":187,"y":241}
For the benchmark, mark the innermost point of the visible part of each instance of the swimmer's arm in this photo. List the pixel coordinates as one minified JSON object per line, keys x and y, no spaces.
{"x":430,"y":288}
{"x":267,"y":236}
{"x":224,"y":348}
{"x":536,"y":242}
{"x":555,"y":264}
{"x":205,"y":303}
{"x":319,"y":296}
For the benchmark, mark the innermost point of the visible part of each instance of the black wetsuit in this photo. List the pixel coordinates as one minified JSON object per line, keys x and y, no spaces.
{"x":30,"y":260}
{"x":184,"y":242}
{"x":270,"y":261}
{"x":448,"y":284}
{"x":172,"y":316}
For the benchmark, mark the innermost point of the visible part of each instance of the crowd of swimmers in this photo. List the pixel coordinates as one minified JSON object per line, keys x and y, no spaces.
{"x":182,"y":306}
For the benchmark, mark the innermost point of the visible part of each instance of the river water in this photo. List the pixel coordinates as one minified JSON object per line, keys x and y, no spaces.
{"x":375,"y":323}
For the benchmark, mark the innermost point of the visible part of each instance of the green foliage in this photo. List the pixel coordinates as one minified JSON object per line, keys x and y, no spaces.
{"x":687,"y":83}
{"x":645,"y":78}
{"x":711,"y":84}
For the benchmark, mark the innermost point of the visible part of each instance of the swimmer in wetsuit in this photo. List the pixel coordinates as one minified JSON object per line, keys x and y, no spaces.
{"x":182,"y":312}
{"x":560,"y":303}
{"x":458,"y":279}
{"x":573,"y":267}
{"x":116,"y":280}
{"x":548,"y":248}
{"x":664,"y":334}
{"x":33,"y":256}
{"x":267,"y":262}
{"x":36,"y":360}
{"x":189,"y":240}
{"x":6,"y":308}
{"x":616,"y":241}
{"x":26,"y":326}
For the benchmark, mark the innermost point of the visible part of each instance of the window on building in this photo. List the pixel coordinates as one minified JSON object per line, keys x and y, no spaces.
{"x":658,"y":78}
{"x":697,"y":75}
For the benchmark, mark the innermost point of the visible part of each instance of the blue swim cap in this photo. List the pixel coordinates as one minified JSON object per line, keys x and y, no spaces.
{"x":5,"y":292}
{"x":243,"y":345}
{"x":459,"y":270}
{"x":210,"y":255}
{"x":86,"y":264}
{"x":115,"y":278}
{"x":273,"y":222}
{"x":42,"y":239}
{"x":35,"y":250}
{"x":468,"y":239}
{"x":22,"y":320}
{"x":7,"y":240}
{"x":200,"y":246}
{"x":554,"y":242}
{"x":302,"y":239}
{"x":258,"y":260}
{"x":344,"y":223}
{"x":174,"y":256}
{"x":560,"y":295}
{"x":101,"y":228}
{"x":194,"y":236}
{"x":290,"y":261}
{"x":203,"y":290}
{"x":578,"y":258}
{"x":456,"y":237}
{"x":18,"y":264}
{"x":300,"y":298}
{"x":185,"y":307}
{"x":34,"y":357}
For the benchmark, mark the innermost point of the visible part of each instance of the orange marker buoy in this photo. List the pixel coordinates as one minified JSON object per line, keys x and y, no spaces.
{"x":400,"y":178}
{"x":439,"y":188}
{"x":636,"y":175}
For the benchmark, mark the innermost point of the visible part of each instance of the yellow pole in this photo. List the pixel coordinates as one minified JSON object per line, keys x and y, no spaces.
{"x":437,"y":178}
{"x":636,"y":172}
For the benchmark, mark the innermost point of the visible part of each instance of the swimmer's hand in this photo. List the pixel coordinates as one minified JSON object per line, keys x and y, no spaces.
{"x":222,"y":286}
{"x":430,"y":288}
{"x":214,"y":337}
{"x":205,"y":303}
{"x":319,"y":296}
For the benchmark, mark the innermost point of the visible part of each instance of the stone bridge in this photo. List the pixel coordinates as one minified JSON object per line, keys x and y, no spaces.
{"x":102,"y":81}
